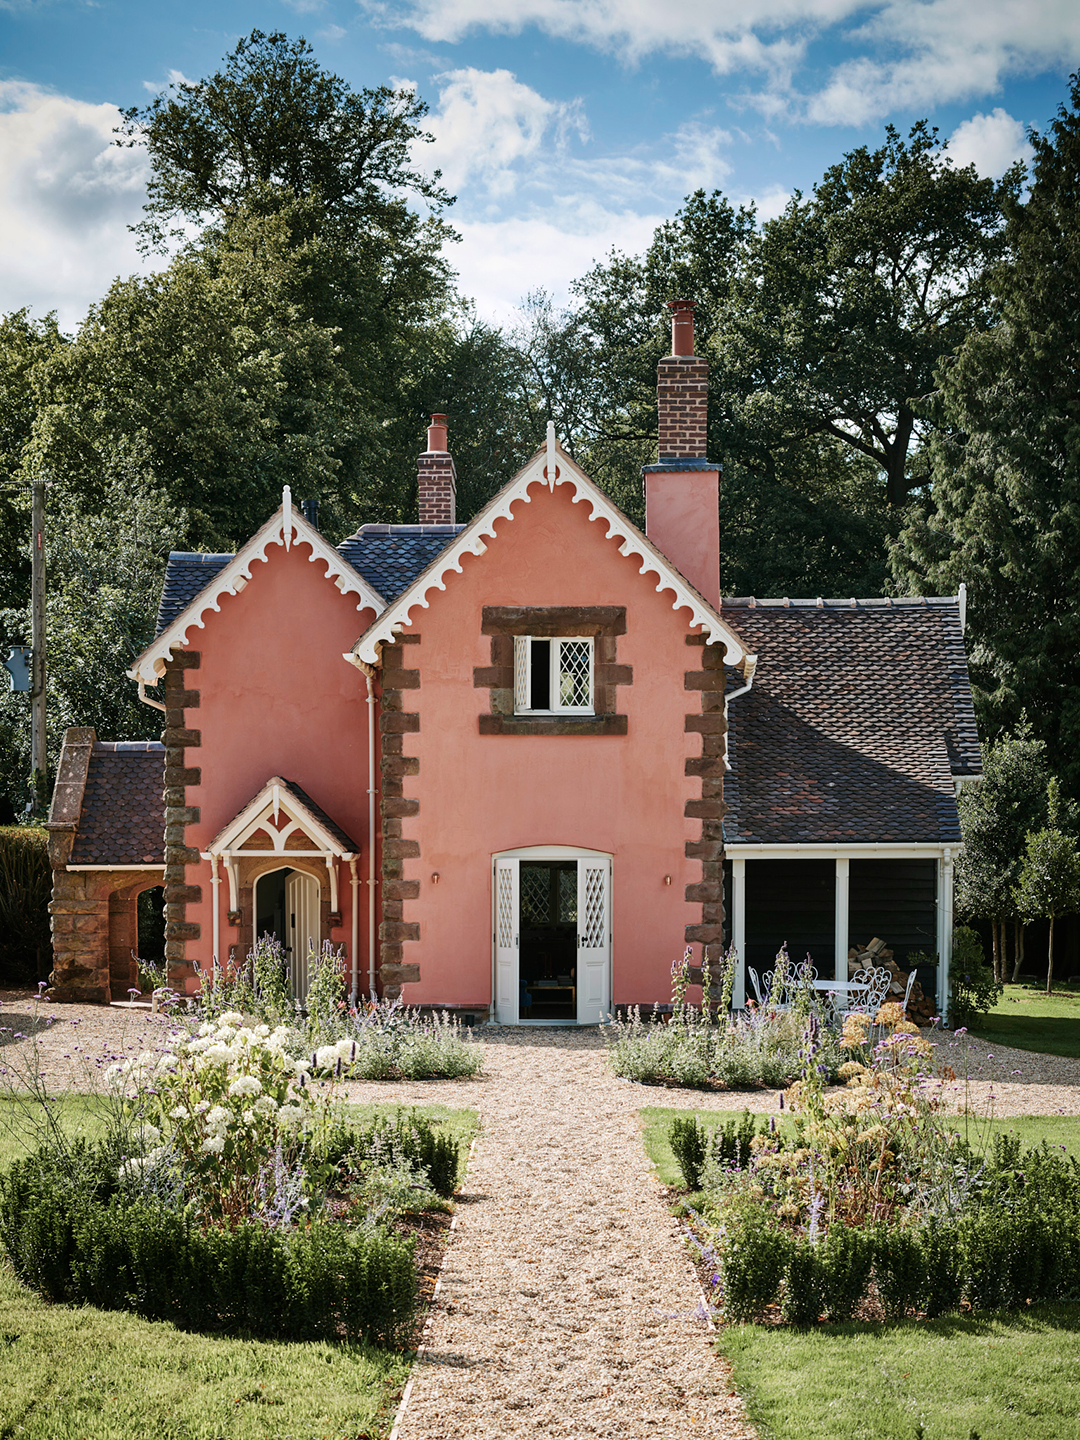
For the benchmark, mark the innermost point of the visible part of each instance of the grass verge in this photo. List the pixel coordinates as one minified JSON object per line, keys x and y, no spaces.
{"x":1028,"y":1019}
{"x":1011,"y":1377}
{"x":71,"y":1373}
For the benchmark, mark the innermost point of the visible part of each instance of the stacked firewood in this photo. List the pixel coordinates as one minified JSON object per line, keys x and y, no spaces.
{"x":920,"y":1008}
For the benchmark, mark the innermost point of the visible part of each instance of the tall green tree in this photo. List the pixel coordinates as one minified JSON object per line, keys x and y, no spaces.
{"x":996,"y":817}
{"x":823,"y":328}
{"x":1049,"y":882}
{"x":1003,"y":513}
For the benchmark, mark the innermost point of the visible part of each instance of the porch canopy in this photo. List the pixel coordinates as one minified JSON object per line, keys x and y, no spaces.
{"x":845,"y":761}
{"x":284,"y":824}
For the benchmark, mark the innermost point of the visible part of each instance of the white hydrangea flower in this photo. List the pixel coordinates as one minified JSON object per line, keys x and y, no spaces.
{"x":344,"y":1050}
{"x":326,"y":1057}
{"x":289,"y":1116}
{"x":214,"y":1144}
{"x":218,"y":1118}
{"x":202,"y":1107}
{"x":245,"y":1085}
{"x":148,"y":1133}
{"x":249,"y":1117}
{"x":231,"y":1018}
{"x":179,"y":1113}
{"x":265,"y":1105}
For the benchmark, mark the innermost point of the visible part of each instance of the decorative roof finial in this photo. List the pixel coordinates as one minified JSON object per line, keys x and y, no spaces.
{"x":551,"y":469}
{"x":286,"y":516}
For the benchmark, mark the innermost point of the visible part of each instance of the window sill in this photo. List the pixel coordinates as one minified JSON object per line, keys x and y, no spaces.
{"x":552,"y":724}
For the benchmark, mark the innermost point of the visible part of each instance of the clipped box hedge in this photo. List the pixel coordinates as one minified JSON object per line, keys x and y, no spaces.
{"x":25,"y":892}
{"x":73,"y":1241}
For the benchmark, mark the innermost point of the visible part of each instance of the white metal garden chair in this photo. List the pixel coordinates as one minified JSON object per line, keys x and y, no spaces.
{"x":873,"y":986}
{"x":910,"y":983}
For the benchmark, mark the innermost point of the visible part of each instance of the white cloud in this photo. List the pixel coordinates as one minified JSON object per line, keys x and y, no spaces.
{"x":500,"y":261}
{"x":488,"y":123}
{"x":67,"y":195}
{"x":909,"y":55}
{"x":989,"y":142}
{"x":945,"y":51}
{"x":331,"y":34}
{"x":176,"y":77}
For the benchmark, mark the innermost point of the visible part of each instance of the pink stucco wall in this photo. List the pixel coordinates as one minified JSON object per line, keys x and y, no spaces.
{"x":276,"y":698}
{"x":480,"y":794}
{"x":682,"y":519}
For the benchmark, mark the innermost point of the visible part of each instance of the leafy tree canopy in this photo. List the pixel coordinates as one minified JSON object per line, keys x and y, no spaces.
{"x":1003,"y":514}
{"x":274,"y":120}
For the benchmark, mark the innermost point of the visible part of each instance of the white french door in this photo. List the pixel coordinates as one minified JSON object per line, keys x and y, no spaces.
{"x":507,"y":953}
{"x":302,"y":918}
{"x":594,"y":940}
{"x":593,"y":972}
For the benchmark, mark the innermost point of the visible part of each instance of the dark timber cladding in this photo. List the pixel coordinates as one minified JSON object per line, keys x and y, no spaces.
{"x":792,"y":901}
{"x":896,"y":900}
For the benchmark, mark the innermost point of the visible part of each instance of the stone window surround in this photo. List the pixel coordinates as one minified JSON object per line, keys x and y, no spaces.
{"x":603,"y":623}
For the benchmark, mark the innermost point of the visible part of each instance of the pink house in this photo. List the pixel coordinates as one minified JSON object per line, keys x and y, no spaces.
{"x":512,"y":767}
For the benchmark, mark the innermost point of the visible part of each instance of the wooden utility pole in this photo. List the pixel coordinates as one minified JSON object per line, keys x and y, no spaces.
{"x":38,"y":748}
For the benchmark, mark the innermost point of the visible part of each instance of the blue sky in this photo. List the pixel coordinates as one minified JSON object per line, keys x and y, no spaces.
{"x":565,"y":127}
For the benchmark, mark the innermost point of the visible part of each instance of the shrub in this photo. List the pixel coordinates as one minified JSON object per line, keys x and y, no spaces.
{"x":803,"y":1294}
{"x":846,"y":1258}
{"x":973,"y":991}
{"x":25,"y":891}
{"x":753,"y":1253}
{"x":695,"y":1147}
{"x":410,"y":1140}
{"x":689,"y":1144}
{"x":318,"y":1282}
{"x":900,"y":1270}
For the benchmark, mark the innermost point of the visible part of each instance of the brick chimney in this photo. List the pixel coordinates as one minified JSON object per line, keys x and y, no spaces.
{"x":682,"y":490}
{"x":437,"y":478}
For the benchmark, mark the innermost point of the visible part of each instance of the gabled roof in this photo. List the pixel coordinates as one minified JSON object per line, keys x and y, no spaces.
{"x":279,"y":795}
{"x":287,"y":528}
{"x":390,"y":557}
{"x":122,"y":821}
{"x":858,"y":725}
{"x":550,"y":466}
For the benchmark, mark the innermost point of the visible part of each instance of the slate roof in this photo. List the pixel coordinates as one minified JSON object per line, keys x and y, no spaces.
{"x":390,"y":557}
{"x":859,"y":718}
{"x":187,"y":574}
{"x":123,"y":812}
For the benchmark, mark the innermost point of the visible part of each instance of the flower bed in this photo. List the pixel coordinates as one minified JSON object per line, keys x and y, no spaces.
{"x":871,"y":1204}
{"x":229,"y":1194}
{"x":709,"y":1047}
{"x":371,"y":1040}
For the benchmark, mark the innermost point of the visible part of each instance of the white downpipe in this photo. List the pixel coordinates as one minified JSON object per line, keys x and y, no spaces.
{"x":371,"y":827}
{"x":945,"y":928}
{"x":354,"y":881}
{"x":148,"y":699}
{"x":215,"y":881}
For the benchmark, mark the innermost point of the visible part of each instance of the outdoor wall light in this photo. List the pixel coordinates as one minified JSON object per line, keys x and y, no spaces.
{"x":435,"y":878}
{"x":667,"y":879}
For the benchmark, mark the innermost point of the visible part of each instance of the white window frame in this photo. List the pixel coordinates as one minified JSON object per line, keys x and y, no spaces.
{"x":523,"y":674}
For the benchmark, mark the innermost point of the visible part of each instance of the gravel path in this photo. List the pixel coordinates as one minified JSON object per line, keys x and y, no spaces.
{"x":567,"y":1305}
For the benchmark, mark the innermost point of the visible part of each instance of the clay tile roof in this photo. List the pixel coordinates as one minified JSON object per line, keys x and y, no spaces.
{"x":123,"y":812}
{"x":320,"y":814}
{"x":186,"y":575}
{"x":859,"y":719}
{"x":390,"y":557}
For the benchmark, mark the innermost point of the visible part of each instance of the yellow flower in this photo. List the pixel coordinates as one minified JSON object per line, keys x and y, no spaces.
{"x":891,"y":1013}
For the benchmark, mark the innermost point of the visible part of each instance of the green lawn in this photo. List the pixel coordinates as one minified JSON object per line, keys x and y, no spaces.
{"x":1012,"y":1377}
{"x":1029,"y":1019}
{"x":69,"y":1373}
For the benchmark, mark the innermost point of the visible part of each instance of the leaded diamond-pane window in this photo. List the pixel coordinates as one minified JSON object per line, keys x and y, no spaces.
{"x":553,"y":677}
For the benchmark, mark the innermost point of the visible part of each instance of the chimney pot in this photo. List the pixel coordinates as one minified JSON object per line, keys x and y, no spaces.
{"x":436,"y":435}
{"x":682,"y":326}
